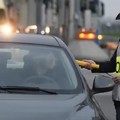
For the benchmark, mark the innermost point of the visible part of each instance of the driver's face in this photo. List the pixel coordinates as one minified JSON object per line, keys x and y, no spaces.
{"x":41,"y":67}
{"x":44,"y":63}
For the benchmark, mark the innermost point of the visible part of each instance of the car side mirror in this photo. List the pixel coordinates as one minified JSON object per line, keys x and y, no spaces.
{"x":118,"y":17}
{"x":102,"y":84}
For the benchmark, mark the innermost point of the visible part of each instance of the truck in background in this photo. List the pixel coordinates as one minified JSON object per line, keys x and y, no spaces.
{"x":91,"y":12}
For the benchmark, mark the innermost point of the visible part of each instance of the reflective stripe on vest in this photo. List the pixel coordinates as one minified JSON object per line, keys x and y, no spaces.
{"x":118,"y":62}
{"x":117,"y":66}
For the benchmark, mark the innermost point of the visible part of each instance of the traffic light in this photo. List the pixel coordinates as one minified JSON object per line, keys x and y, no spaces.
{"x":93,"y":6}
{"x":96,"y":6}
{"x":46,"y":2}
{"x":103,"y":8}
{"x":83,"y":5}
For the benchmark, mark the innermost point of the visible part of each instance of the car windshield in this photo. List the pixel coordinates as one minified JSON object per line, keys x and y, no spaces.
{"x":38,"y":66}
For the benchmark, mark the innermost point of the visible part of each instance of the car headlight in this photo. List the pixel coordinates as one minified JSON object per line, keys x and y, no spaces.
{"x":7,"y":29}
{"x":47,"y":30}
{"x":42,"y":32}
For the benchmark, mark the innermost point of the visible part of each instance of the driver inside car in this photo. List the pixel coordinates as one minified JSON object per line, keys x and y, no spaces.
{"x":42,"y":65}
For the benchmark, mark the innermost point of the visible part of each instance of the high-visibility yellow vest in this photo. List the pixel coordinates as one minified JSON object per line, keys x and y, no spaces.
{"x":116,"y":90}
{"x":117,"y":72}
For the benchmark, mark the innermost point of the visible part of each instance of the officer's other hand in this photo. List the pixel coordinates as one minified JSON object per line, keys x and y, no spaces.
{"x":116,"y":80}
{"x":88,"y":64}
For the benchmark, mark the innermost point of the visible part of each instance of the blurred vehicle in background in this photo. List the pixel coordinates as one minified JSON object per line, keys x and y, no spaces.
{"x":111,"y":45}
{"x":89,"y":35}
{"x":93,"y":35}
{"x":12,"y":12}
{"x":5,"y":24}
{"x":33,"y":29}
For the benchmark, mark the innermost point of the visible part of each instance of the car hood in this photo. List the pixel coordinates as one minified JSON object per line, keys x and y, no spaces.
{"x":44,"y":107}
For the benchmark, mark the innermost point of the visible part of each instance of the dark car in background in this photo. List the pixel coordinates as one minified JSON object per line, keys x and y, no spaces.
{"x":40,"y":80}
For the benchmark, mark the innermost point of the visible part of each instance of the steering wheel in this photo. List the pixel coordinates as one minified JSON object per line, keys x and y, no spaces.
{"x":40,"y":81}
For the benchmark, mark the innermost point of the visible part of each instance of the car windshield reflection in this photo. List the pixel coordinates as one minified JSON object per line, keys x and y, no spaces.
{"x":37,"y":66}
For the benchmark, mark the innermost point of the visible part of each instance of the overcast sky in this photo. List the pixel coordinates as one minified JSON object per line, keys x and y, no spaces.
{"x":112,"y":8}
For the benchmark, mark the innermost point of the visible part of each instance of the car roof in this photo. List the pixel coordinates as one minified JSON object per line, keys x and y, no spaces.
{"x":29,"y":39}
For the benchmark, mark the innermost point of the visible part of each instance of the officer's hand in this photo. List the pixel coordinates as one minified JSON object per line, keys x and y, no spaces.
{"x":88,"y":64}
{"x":116,"y":80}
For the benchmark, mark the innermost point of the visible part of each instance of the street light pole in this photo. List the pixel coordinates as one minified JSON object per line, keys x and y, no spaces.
{"x":66,"y":23}
{"x":39,"y":15}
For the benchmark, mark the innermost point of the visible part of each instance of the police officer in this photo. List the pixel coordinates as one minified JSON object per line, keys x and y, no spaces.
{"x":111,"y":66}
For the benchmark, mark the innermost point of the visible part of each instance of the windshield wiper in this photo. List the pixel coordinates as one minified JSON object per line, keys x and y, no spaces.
{"x":25,"y":88}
